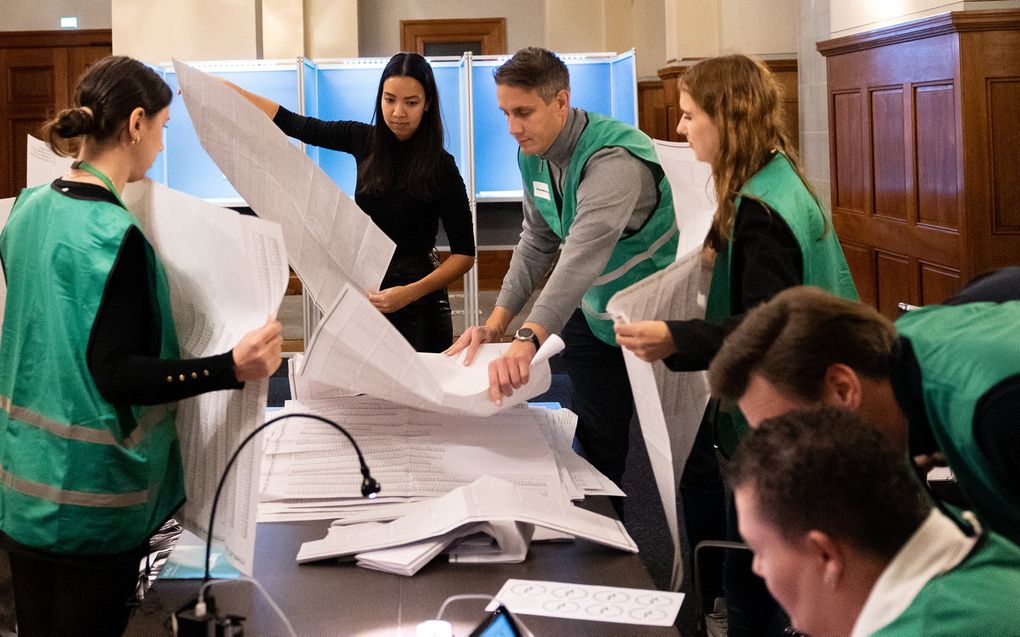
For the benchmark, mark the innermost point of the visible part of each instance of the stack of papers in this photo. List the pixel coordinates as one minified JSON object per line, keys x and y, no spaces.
{"x":487,"y":500}
{"x":310,"y":471}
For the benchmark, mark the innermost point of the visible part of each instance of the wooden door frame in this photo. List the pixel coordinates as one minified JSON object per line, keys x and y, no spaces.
{"x":491,"y":32}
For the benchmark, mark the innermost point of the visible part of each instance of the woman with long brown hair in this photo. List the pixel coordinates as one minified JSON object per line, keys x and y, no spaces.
{"x":769,"y":233}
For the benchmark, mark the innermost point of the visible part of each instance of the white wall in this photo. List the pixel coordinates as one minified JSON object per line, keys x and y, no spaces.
{"x":31,"y":15}
{"x":650,"y":37}
{"x":853,"y":16}
{"x":813,"y":96}
{"x":765,"y":28}
{"x":155,"y":30}
{"x":705,"y":28}
{"x":331,"y":28}
{"x":692,"y":29}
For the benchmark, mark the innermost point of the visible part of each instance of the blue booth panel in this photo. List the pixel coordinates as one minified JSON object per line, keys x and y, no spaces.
{"x":599,"y":83}
{"x":188,"y":167}
{"x":347,"y":91}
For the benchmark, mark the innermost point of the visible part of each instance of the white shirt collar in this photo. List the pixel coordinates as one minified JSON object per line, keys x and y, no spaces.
{"x":937,"y":546}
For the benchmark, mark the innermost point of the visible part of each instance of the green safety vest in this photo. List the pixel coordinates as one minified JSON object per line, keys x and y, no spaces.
{"x":778,"y":186}
{"x":977,"y":597}
{"x":645,"y":252}
{"x":79,"y":475}
{"x":964,"y":351}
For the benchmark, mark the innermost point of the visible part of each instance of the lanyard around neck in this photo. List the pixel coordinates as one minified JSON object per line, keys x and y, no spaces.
{"x":95,"y":172}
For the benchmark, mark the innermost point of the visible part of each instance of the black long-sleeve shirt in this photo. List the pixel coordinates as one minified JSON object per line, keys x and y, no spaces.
{"x":412,"y":223}
{"x":124,"y":345}
{"x":766,"y":260}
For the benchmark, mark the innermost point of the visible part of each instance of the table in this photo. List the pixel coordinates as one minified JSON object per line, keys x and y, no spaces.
{"x":331,"y":598}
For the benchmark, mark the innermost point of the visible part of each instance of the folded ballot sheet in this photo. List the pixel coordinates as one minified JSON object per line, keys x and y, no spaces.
{"x":356,"y":348}
{"x":488,"y":499}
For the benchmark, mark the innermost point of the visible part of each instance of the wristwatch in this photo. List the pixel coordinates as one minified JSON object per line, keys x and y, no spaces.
{"x":527,"y":334}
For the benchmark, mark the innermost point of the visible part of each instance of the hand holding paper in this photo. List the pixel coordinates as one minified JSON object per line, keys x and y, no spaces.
{"x":649,"y":340}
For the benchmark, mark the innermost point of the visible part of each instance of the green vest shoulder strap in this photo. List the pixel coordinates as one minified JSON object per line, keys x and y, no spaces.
{"x":963,"y":351}
{"x":644,"y":252}
{"x":778,"y":186}
{"x":79,"y":474}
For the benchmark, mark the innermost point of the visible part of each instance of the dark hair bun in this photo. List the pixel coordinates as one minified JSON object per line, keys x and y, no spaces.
{"x":74,"y":122}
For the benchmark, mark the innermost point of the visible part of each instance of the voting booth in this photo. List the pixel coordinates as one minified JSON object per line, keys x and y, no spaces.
{"x":475,"y":129}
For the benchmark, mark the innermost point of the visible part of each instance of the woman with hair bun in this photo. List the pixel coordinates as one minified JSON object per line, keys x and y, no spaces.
{"x":90,"y":367}
{"x":769,"y":233}
{"x":407,"y":184}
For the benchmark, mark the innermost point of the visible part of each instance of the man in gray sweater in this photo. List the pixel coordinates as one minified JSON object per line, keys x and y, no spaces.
{"x":593,"y":185}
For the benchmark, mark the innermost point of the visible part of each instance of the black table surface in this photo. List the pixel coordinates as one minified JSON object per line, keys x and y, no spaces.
{"x":334,"y":598}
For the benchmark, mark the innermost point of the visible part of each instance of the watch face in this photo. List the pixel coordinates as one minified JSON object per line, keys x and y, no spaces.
{"x":524,"y":334}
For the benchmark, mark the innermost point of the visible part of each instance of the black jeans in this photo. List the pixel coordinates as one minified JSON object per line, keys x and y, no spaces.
{"x":426,"y":323}
{"x":601,"y":397}
{"x":73,"y":595}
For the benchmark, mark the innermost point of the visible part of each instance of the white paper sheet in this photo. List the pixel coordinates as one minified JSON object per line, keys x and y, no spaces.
{"x":487,"y":499}
{"x":357,"y":348}
{"x":329,"y":239}
{"x":227,"y":275}
{"x":589,"y":602}
{"x":693,"y":192}
{"x":43,"y":164}
{"x":670,"y":405}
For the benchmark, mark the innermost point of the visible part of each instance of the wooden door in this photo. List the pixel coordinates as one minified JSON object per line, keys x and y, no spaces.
{"x":38,"y":72}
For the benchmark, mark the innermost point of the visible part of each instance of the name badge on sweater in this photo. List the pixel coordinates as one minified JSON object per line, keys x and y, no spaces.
{"x":541,"y":189}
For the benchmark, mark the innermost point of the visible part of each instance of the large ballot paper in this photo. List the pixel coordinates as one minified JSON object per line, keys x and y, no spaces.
{"x":693,"y":192}
{"x":329,"y":240}
{"x":356,"y":348}
{"x":669,"y":404}
{"x":227,"y":273}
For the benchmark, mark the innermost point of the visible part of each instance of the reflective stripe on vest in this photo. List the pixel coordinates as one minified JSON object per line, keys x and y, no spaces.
{"x":78,"y":498}
{"x":150,"y":419}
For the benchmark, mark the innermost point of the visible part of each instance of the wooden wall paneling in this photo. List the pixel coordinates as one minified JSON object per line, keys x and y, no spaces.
{"x":938,"y":171}
{"x":38,"y":72}
{"x":670,"y":77}
{"x":896,"y":278}
{"x":860,"y":258}
{"x":960,"y":73}
{"x":1004,"y":153}
{"x":34,"y":85}
{"x":785,"y":72}
{"x":938,"y":283}
{"x":652,"y":118}
{"x":80,"y":58}
{"x":990,"y":90}
{"x":849,"y":179}
{"x":888,"y":153}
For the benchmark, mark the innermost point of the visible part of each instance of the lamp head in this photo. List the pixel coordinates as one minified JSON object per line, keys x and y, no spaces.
{"x":369,"y":487}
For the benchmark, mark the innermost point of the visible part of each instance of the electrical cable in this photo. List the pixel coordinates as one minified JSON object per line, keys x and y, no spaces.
{"x":369,"y":488}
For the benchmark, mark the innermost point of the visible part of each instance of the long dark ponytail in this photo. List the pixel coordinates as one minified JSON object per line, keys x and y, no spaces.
{"x":424,"y":148}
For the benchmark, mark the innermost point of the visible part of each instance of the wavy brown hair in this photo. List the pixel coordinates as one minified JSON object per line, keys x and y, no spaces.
{"x":744,"y":100}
